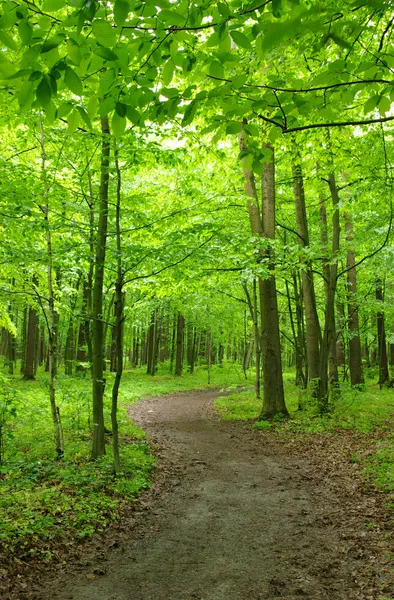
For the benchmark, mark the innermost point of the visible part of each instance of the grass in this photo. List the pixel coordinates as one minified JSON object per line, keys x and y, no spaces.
{"x":42,"y":498}
{"x":365,"y":412}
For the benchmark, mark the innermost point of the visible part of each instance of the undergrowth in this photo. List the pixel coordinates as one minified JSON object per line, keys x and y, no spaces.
{"x":42,"y":498}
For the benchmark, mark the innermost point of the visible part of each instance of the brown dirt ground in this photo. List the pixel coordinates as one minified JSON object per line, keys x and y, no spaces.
{"x":236,"y":514}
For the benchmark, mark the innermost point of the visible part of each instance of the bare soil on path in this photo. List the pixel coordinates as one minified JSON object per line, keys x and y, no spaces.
{"x":241,"y":515}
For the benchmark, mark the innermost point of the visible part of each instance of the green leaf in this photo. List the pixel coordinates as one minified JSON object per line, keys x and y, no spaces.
{"x":167,"y":72}
{"x":85,"y":116}
{"x":74,"y":52}
{"x":118,"y":125}
{"x":25,"y":31}
{"x":64,"y":110}
{"x":252,"y":129}
{"x":53,"y":5}
{"x":73,"y":121}
{"x":274,"y":134}
{"x":52,"y":43}
{"x":121,"y":109}
{"x":189,"y":114}
{"x":233,"y":128}
{"x":104,"y":33}
{"x":171,"y":17}
{"x":44,"y":92}
{"x":238,"y":81}
{"x":223,"y":10}
{"x":19,"y":74}
{"x":216,"y":69}
{"x":105,"y":53}
{"x":26,"y":94}
{"x":121,"y":12}
{"x":213,"y":40}
{"x":8,"y":40}
{"x":257,"y":166}
{"x":241,"y":40}
{"x":276,"y":8}
{"x":73,"y":82}
{"x":92,"y":107}
{"x":371,"y":104}
{"x":384,"y":106}
{"x":133,"y":115}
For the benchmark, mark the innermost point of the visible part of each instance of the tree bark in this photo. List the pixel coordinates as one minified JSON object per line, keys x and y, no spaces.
{"x":355,"y":361}
{"x":31,"y":329}
{"x":313,"y":331}
{"x":264,"y":227}
{"x":382,"y":346}
{"x":98,"y":447}
{"x":328,"y":366}
{"x":179,"y":345}
{"x":51,"y":321}
{"x":119,"y":319}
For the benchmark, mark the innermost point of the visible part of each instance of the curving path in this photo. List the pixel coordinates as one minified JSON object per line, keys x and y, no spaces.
{"x":245,"y":518}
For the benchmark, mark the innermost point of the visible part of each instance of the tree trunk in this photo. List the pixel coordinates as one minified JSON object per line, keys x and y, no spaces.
{"x":98,"y":447}
{"x":264,"y":227}
{"x":82,"y":354}
{"x":328,"y":364}
{"x":28,"y":364}
{"x":355,"y":361}
{"x":179,"y":345}
{"x":151,"y":342}
{"x":118,"y":327}
{"x":253,"y":310}
{"x":51,"y":322}
{"x":313,"y":331}
{"x":382,"y":346}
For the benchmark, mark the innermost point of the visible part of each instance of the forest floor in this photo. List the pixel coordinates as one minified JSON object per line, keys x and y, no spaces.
{"x":235,"y":513}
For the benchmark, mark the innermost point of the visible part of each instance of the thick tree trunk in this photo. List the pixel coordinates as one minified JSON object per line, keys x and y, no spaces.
{"x":313,"y":331}
{"x":355,"y":361}
{"x":179,"y":345}
{"x":98,"y":448}
{"x":382,"y":346}
{"x":264,"y":226}
{"x":274,"y":399}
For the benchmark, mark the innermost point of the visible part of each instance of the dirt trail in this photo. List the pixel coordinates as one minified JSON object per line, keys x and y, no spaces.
{"x":244,"y":519}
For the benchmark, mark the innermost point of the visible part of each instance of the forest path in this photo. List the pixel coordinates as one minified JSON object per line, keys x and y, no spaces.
{"x":243,"y":518}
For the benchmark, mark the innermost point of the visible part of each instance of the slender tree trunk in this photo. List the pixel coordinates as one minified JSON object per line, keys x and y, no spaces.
{"x":253,"y":309}
{"x":328,"y":366}
{"x":173,"y":343}
{"x":31,"y":329}
{"x":151,"y":342}
{"x":355,"y":361}
{"x":313,"y":331}
{"x":119,"y":319}
{"x":179,"y":345}
{"x":51,"y":306}
{"x":82,"y":354}
{"x":382,"y":346}
{"x":98,"y":448}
